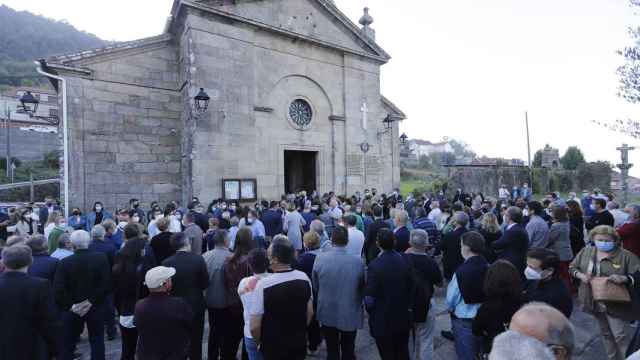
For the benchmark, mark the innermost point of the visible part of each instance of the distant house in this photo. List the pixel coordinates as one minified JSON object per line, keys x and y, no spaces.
{"x":47,"y":109}
{"x":426,"y":148}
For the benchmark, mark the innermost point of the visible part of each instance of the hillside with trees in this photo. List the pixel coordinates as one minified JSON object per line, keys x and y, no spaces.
{"x":25,"y":37}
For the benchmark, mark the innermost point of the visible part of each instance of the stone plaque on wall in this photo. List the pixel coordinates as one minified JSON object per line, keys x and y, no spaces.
{"x":354,"y":165}
{"x":374,"y":166}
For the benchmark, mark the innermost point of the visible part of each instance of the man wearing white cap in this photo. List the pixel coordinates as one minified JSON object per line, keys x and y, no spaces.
{"x":164,"y":322}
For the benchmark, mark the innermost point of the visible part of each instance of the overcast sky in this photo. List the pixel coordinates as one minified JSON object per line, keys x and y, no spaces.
{"x":466,"y":69}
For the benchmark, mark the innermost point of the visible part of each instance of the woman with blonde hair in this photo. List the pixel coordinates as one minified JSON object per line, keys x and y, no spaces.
{"x":490,"y":230}
{"x":609,"y":260}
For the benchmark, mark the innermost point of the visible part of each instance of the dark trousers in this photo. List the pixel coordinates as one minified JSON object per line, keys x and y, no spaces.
{"x":284,"y":354}
{"x":225,"y":332}
{"x":195,"y":347}
{"x":129,"y":343}
{"x":233,"y":334}
{"x":110,"y":316}
{"x":340,"y":344}
{"x":73,"y":325}
{"x":314,"y":336}
{"x":394,"y":347}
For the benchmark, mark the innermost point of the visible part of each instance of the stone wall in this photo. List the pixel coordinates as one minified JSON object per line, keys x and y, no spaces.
{"x":125,"y":130}
{"x":485,"y":179}
{"x":488,"y":179}
{"x":28,"y":145}
{"x":252,"y":75}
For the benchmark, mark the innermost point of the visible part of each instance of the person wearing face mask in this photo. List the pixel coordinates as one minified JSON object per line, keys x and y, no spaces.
{"x":97,"y":215}
{"x":544,"y":283}
{"x":49,"y":207}
{"x":601,"y":215}
{"x":77,"y":221}
{"x":134,"y":204}
{"x":607,"y":259}
{"x":25,"y":224}
{"x":54,"y":235}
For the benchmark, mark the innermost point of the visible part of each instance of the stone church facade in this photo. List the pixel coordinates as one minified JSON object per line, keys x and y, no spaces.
{"x":295,"y":104}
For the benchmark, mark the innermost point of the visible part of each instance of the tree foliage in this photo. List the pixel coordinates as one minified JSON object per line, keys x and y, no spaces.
{"x":629,"y":72}
{"x":461,"y":149}
{"x":25,"y":37}
{"x":537,"y":159}
{"x":572,"y":158}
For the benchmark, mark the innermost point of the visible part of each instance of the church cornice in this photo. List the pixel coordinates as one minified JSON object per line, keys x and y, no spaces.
{"x":380,"y":55}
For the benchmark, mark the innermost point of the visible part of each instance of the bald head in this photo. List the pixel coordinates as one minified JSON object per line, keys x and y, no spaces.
{"x":547,"y":324}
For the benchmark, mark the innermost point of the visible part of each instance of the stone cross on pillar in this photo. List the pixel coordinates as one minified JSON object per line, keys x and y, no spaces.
{"x":624,"y":170}
{"x":365,"y":114}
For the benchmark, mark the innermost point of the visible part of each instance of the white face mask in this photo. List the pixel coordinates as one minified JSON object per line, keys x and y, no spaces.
{"x":531,"y":274}
{"x":98,"y":208}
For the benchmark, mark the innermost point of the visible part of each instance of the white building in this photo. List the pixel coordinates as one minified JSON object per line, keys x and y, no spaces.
{"x":424,"y":147}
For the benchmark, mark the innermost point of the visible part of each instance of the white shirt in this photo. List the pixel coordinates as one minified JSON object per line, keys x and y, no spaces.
{"x":174,"y":226}
{"x":356,"y":242}
{"x":619,"y":217}
{"x":152,"y":229}
{"x":247,"y":297}
{"x":335,"y":213}
{"x":435,"y":215}
{"x":503,"y":193}
{"x":47,"y":230}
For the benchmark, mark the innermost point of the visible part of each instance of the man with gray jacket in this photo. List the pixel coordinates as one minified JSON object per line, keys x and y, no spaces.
{"x":339,"y":280}
{"x":215,"y":293}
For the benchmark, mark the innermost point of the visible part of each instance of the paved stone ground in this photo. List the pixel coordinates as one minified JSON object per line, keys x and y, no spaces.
{"x":588,"y":339}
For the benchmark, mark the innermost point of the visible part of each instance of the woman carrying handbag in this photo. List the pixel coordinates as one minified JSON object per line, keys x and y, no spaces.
{"x":603,"y":271}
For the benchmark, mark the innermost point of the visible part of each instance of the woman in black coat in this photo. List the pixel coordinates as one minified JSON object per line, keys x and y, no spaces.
{"x":129,"y":270}
{"x":503,"y":298}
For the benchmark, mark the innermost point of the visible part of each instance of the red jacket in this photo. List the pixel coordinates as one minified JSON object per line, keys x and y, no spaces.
{"x":630,"y":235}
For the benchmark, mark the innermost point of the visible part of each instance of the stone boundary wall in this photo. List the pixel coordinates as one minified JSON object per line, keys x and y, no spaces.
{"x":487,"y":179}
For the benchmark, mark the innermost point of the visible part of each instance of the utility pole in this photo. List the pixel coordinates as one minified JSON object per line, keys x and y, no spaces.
{"x":8,"y":128}
{"x":526,"y":121}
{"x":624,"y":171}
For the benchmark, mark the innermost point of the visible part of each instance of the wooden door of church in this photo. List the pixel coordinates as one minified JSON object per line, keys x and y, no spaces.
{"x":299,"y":171}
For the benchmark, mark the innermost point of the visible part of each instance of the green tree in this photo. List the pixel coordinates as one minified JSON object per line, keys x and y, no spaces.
{"x":572,"y":158}
{"x":537,"y":159}
{"x":461,"y":149}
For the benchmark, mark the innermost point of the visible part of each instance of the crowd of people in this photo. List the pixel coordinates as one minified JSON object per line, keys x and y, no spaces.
{"x":276,"y":279}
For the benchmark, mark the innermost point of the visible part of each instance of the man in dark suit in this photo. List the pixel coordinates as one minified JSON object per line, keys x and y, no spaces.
{"x":388,"y":296}
{"x":401,"y":231}
{"x":81,"y":285}
{"x":513,"y":244}
{"x":272,"y":221}
{"x":450,"y":245}
{"x":43,"y":213}
{"x":371,"y":249}
{"x":189,"y":283}
{"x":26,"y":309}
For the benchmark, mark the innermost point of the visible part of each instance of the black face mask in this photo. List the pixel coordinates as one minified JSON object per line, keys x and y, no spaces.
{"x":76,"y":213}
{"x":135,"y":205}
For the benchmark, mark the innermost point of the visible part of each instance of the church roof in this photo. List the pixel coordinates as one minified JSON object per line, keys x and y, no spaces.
{"x":393,"y":109}
{"x":73,"y":61}
{"x":79,"y":56}
{"x":328,"y":5}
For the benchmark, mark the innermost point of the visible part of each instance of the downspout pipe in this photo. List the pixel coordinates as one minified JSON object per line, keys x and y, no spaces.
{"x":65,"y":131}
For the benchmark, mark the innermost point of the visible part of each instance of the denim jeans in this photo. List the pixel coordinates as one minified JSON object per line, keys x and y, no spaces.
{"x":467,"y":345}
{"x":73,"y":325}
{"x":252,"y":349}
